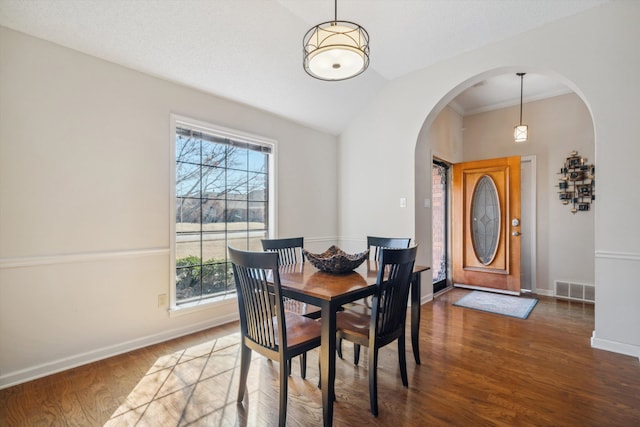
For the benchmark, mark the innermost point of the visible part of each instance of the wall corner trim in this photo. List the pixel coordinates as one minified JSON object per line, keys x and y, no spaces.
{"x":615,"y":347}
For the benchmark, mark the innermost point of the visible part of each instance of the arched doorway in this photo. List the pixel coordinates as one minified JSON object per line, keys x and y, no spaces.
{"x":561,"y":246}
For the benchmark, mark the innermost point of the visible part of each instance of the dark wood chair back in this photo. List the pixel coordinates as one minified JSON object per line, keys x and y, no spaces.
{"x":378,"y":243}
{"x":259,"y":298}
{"x":389,"y":308}
{"x":264,"y":322}
{"x":385,"y":322}
{"x":289,"y":250}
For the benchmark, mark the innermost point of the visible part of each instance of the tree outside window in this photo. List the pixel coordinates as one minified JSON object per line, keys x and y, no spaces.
{"x":222,"y":199}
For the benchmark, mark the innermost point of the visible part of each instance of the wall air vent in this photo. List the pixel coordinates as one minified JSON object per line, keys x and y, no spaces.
{"x":575,"y":291}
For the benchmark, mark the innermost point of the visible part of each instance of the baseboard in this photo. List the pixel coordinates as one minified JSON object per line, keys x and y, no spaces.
{"x":55,"y":366}
{"x":543,"y":292}
{"x":442,"y":292}
{"x":615,"y":347}
{"x":426,"y":298}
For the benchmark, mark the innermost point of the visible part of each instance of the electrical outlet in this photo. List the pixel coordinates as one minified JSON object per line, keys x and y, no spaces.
{"x":162,"y":300}
{"x":403,"y":202}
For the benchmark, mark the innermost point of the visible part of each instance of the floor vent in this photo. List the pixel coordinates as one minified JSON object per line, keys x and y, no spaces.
{"x":575,"y":291}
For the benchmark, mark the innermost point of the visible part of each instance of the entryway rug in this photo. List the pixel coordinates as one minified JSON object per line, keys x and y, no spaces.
{"x":496,"y":303}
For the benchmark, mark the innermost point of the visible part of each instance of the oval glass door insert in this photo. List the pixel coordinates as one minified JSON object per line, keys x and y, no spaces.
{"x":485,"y":220}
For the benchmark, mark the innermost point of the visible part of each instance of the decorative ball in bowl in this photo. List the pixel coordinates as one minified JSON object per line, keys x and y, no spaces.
{"x":335,"y":260}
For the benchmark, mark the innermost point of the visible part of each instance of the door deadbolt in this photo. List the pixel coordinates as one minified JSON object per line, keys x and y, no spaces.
{"x":515,"y":222}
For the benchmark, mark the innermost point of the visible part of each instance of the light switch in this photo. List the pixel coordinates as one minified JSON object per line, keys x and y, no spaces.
{"x":427,"y":203}
{"x":403,"y":202}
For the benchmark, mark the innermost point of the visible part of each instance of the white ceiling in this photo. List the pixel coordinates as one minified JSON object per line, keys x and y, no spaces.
{"x":504,"y":91}
{"x":251,"y":50}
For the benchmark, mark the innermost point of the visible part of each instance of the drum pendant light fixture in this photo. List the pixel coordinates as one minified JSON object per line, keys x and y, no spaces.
{"x":336,"y":50}
{"x":520,"y":131}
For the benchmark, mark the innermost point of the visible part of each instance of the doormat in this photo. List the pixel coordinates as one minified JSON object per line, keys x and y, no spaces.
{"x":500,"y":304}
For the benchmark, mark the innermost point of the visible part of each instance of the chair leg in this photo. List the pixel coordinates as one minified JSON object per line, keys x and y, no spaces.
{"x":245,"y":362}
{"x":402,"y":358}
{"x":356,"y":354}
{"x":303,"y":365}
{"x":288,"y":367}
{"x":339,"y":348}
{"x":373,"y":380}
{"x":284,"y":379}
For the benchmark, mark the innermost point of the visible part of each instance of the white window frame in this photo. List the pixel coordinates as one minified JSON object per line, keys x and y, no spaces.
{"x":223,"y":132}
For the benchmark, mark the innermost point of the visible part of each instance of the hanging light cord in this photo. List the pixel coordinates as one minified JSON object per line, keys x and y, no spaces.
{"x":521,"y":86}
{"x":335,"y":16}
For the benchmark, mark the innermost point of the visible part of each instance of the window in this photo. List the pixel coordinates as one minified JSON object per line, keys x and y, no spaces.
{"x":222,"y":197}
{"x":439,"y":235}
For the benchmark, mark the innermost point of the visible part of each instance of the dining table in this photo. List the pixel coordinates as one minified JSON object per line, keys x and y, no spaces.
{"x":330,"y":291}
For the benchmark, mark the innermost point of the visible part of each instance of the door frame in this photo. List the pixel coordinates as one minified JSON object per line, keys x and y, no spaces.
{"x":533,"y":220}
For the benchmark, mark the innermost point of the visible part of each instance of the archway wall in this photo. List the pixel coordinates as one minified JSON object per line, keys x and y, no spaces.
{"x":595,"y":54}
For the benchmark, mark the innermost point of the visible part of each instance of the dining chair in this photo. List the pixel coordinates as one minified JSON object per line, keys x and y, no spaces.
{"x":374,"y":244}
{"x":265,"y":325}
{"x":289,"y":251}
{"x":378,"y":243}
{"x":385,"y":322}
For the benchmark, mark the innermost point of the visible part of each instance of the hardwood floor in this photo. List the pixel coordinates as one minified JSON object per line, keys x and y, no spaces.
{"x":477,"y":369}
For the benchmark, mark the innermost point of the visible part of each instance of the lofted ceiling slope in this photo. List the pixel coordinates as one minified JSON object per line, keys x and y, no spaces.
{"x":250,"y":51}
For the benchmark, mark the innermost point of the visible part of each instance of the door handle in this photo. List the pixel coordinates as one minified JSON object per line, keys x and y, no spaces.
{"x":515,"y":233}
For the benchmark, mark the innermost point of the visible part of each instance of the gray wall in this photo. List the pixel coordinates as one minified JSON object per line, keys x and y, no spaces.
{"x":595,"y":54}
{"x":85,"y":197}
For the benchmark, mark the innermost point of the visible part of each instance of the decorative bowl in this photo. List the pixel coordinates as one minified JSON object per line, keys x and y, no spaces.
{"x":335,"y":260}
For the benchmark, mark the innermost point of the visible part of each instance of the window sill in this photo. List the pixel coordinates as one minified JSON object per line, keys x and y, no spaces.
{"x":208,"y":304}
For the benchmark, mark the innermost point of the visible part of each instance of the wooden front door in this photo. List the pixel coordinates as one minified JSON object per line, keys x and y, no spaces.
{"x":486,"y":224}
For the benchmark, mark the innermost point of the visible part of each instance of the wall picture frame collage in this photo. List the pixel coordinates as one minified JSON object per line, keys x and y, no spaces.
{"x":577,"y":183}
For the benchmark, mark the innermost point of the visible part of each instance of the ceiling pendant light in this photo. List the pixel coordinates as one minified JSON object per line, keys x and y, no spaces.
{"x":520,"y":131}
{"x":336,"y":50}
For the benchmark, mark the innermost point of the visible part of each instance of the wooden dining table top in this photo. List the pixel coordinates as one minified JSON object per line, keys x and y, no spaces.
{"x":306,"y":279}
{"x":325,"y":286}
